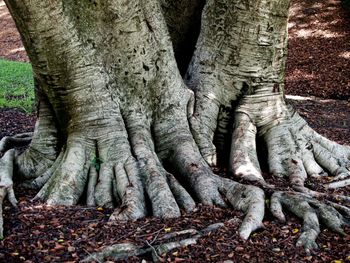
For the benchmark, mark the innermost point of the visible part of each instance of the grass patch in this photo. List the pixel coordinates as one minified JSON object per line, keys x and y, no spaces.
{"x":16,"y":85}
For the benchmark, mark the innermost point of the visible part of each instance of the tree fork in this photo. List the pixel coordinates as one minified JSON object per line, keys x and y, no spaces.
{"x":120,"y":110}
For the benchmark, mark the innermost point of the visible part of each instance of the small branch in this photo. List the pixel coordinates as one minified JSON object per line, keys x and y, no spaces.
{"x":126,"y":250}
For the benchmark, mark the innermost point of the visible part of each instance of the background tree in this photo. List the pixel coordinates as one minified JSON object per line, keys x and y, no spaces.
{"x":113,"y":111}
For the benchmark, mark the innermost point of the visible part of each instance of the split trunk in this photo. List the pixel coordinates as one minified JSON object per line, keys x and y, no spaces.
{"x":118,"y":126}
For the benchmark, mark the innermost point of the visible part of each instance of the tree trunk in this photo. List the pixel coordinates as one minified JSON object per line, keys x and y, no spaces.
{"x":113,"y":109}
{"x":237,"y":75}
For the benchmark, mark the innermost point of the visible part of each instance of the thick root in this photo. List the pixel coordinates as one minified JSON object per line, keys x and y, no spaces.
{"x":67,"y":183}
{"x":9,"y":142}
{"x":6,"y":184}
{"x":130,"y":191}
{"x":250,"y":200}
{"x":311,"y":211}
{"x":203,"y":125}
{"x":295,"y":151}
{"x":45,"y":144}
{"x":211,"y":189}
{"x":244,"y":160}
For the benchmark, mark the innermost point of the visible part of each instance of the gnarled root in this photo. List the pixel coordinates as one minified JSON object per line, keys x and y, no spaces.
{"x":6,"y":184}
{"x":123,"y":170}
{"x":44,"y":141}
{"x":295,"y":151}
{"x":211,"y":189}
{"x":110,"y":176}
{"x":9,"y":142}
{"x":311,"y":211}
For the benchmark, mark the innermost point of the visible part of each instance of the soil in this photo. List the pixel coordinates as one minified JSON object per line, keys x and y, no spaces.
{"x":319,"y":49}
{"x":319,"y":80}
{"x":11,"y":46}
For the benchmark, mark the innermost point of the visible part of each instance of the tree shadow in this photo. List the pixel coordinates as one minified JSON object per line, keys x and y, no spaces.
{"x":11,"y":46}
{"x":319,"y":49}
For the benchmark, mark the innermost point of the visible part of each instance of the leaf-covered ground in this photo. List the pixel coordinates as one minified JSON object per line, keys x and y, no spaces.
{"x":318,"y":77}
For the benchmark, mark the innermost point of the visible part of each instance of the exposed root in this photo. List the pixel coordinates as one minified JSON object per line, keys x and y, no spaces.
{"x":6,"y":184}
{"x":9,"y":142}
{"x":203,"y":125}
{"x":41,"y":180}
{"x":92,"y":181}
{"x":338,"y":184}
{"x":153,"y":174}
{"x":211,"y":189}
{"x":158,"y":247}
{"x":130,"y":191}
{"x":244,"y":160}
{"x":121,"y":112}
{"x":250,"y":200}
{"x":295,"y":151}
{"x":67,"y":182}
{"x":183,"y":198}
{"x":127,"y":174}
{"x":311,"y":211}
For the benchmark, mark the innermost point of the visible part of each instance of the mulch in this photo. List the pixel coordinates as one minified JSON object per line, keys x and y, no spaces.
{"x":319,"y":49}
{"x":316,"y":73}
{"x":11,"y":46}
{"x":14,"y":121}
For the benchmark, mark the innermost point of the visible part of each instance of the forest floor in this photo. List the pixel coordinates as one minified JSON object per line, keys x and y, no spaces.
{"x":318,"y":84}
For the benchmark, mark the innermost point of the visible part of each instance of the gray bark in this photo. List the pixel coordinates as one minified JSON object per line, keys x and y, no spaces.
{"x":237,"y":75}
{"x":113,"y":108}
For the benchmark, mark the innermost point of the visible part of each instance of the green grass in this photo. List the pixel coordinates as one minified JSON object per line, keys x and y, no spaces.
{"x":16,"y":85}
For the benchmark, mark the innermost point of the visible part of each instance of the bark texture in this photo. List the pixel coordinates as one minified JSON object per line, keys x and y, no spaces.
{"x":237,"y":75}
{"x":118,"y":127}
{"x":112,"y":109}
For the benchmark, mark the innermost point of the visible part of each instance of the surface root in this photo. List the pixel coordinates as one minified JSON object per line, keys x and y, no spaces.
{"x":9,"y":142}
{"x":158,"y":247}
{"x":6,"y":184}
{"x":312,"y":211}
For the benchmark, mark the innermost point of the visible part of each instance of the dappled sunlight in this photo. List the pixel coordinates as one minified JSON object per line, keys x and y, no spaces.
{"x":319,"y":45}
{"x":297,"y":74}
{"x":307,"y":98}
{"x":15,"y":50}
{"x":306,"y":33}
{"x":306,"y":14}
{"x":3,"y":10}
{"x":345,"y":54}
{"x":11,"y":46}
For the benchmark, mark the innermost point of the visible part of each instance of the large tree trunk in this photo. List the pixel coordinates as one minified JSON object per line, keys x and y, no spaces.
{"x":113,"y":109}
{"x":237,"y":75}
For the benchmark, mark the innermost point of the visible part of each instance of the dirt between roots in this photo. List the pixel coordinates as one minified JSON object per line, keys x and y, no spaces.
{"x":318,"y":65}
